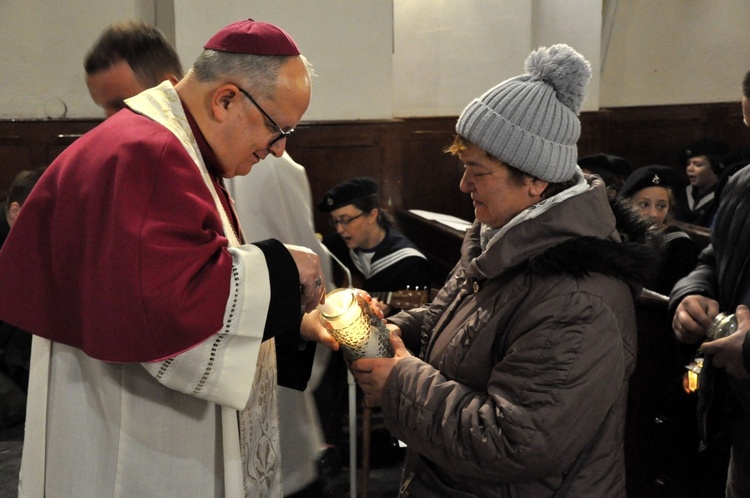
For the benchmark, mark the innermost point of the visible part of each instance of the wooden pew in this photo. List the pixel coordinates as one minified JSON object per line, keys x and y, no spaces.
{"x":440,"y":243}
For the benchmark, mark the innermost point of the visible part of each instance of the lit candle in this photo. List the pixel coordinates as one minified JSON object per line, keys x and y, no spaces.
{"x":351,"y":321}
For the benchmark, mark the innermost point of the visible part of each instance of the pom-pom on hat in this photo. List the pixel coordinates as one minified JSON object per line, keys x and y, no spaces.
{"x":654,"y":175}
{"x":348,"y":192}
{"x":253,"y":37}
{"x":531,"y":121}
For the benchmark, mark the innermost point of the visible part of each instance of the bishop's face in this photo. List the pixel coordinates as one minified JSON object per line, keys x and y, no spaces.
{"x":251,"y":124}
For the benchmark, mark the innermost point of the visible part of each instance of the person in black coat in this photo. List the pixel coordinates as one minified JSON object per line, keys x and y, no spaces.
{"x":721,"y":282}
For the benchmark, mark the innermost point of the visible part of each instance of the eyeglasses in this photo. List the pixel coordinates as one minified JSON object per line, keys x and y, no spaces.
{"x":282,"y":134}
{"x":344,"y":222}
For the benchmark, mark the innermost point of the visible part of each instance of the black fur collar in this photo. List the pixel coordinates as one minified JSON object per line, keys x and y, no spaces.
{"x":636,"y":260}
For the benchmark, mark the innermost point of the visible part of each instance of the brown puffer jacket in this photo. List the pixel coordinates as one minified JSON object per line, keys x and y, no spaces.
{"x":529,"y":349}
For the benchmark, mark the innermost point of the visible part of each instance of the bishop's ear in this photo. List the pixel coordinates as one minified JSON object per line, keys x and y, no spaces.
{"x":222,"y":100}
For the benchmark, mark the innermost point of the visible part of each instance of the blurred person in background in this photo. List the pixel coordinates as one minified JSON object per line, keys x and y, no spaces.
{"x":614,"y":170}
{"x":15,"y":344}
{"x":696,"y":203}
{"x":127,"y":58}
{"x":650,"y":189}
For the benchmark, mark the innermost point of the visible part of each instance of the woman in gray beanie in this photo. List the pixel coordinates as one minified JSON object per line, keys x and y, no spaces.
{"x":520,"y":385}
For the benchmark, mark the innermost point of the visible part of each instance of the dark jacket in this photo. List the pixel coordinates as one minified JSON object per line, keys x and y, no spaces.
{"x":680,"y":256}
{"x":529,"y":349}
{"x":723,"y":274}
{"x":696,"y":211}
{"x":402,"y":264}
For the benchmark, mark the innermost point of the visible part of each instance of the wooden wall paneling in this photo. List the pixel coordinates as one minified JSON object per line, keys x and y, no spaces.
{"x":334,"y":152}
{"x":28,"y":144}
{"x":13,"y":154}
{"x":729,"y":125}
{"x":405,"y":156}
{"x":594,"y":134}
{"x":431,"y":177}
{"x":59,"y":143}
{"x":655,"y":136}
{"x":392,"y":181}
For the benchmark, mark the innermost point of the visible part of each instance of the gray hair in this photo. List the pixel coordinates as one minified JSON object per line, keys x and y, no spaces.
{"x":258,"y":73}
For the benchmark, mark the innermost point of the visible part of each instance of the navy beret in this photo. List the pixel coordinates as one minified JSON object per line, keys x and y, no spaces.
{"x":714,"y":149}
{"x":654,"y":175}
{"x":606,"y":162}
{"x":707,"y":146}
{"x":348,"y":192}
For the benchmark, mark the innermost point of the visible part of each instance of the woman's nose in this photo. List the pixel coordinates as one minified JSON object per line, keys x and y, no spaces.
{"x":465,"y":184}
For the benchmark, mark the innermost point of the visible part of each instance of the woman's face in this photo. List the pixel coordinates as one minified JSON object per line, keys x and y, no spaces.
{"x":653,"y":202}
{"x":497,"y":194}
{"x":357,"y":228}
{"x":700,"y":174}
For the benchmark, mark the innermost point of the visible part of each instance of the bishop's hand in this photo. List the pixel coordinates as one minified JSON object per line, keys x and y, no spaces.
{"x":311,"y":280}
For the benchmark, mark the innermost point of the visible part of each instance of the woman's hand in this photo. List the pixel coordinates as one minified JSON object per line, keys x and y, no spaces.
{"x":372,"y":373}
{"x":384,"y":308}
{"x":375,"y":305}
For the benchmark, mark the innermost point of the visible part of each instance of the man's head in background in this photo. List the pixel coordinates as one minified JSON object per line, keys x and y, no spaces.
{"x":128,"y":58}
{"x":19,"y":191}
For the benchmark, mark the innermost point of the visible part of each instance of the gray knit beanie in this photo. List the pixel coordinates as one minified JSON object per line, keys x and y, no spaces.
{"x":531,"y":121}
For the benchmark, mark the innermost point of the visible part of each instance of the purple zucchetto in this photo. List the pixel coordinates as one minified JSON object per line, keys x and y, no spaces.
{"x":253,"y":37}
